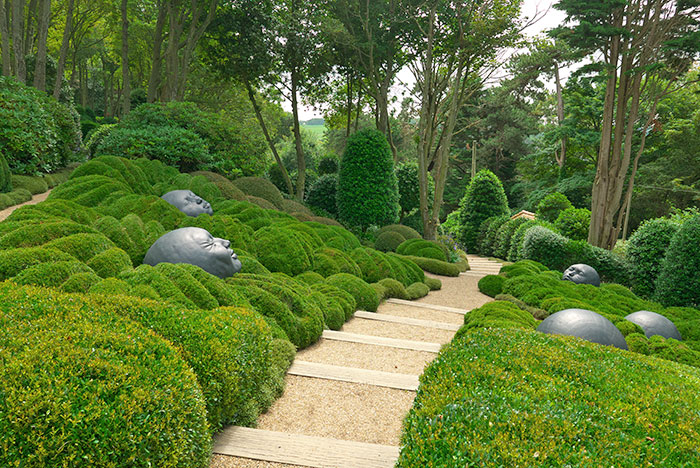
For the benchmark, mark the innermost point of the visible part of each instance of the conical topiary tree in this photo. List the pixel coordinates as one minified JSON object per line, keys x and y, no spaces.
{"x":679,"y":281}
{"x":367,"y":191}
{"x":484,"y":198}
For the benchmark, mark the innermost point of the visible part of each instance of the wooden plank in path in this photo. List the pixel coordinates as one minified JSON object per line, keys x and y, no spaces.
{"x":406,"y":320}
{"x":296,"y":449}
{"x":382,"y":341}
{"x":354,"y":375}
{"x":423,"y":305}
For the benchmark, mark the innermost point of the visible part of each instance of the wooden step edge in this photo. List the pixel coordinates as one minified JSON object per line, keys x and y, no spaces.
{"x":406,"y":320}
{"x":354,"y":375}
{"x":297,"y":449}
{"x":381,"y":341}
{"x":423,"y":305}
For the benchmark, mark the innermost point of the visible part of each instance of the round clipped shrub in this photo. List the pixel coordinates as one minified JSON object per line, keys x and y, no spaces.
{"x":322,"y":194}
{"x":365,"y":297}
{"x":32,"y":184}
{"x":549,"y":208}
{"x":547,"y":247}
{"x":327,"y":262}
{"x":111,"y":262}
{"x":679,"y":280}
{"x":421,"y":248}
{"x":466,"y":412}
{"x":491,"y":285}
{"x":32,"y":234}
{"x":367,"y":188}
{"x":433,"y":283}
{"x":406,"y":231}
{"x":646,"y":251}
{"x":393,"y":288}
{"x":227,"y":188}
{"x":309,"y":278}
{"x":92,"y":382}
{"x":294,"y":207}
{"x":14,"y":261}
{"x":261,"y":188}
{"x":497,"y":314}
{"x":388,"y":241}
{"x":574,"y":223}
{"x":80,"y":282}
{"x":417,"y":290}
{"x":483,"y":199}
{"x":434,"y":266}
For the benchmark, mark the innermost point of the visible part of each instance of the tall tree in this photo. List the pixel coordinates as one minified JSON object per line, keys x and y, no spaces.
{"x":645,"y":45}
{"x":459,"y":41}
{"x":126,"y":78}
{"x":157,"y":55}
{"x":42,"y":36}
{"x":20,"y":68}
{"x":5,"y":40}
{"x":63,"y":52}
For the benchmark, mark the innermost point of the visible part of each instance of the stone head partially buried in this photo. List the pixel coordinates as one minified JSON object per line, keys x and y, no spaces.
{"x":188,"y":202}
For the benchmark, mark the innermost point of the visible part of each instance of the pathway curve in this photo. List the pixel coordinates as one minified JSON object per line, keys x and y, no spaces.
{"x":35,"y":199}
{"x":347,"y":395}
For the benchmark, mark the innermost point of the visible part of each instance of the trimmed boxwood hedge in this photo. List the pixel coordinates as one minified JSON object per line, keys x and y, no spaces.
{"x":491,"y":285}
{"x":679,"y":279}
{"x":483,"y":199}
{"x":505,"y":397}
{"x":422,"y":248}
{"x":646,"y":251}
{"x":436,"y":267}
{"x":388,"y":241}
{"x":365,"y":297}
{"x":261,"y":188}
{"x":83,"y":382}
{"x":417,"y":290}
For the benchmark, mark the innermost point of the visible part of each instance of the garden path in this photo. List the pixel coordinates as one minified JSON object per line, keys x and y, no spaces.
{"x":35,"y":199}
{"x":347,"y":395}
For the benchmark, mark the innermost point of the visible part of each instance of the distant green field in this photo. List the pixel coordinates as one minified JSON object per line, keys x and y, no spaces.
{"x":315,"y":129}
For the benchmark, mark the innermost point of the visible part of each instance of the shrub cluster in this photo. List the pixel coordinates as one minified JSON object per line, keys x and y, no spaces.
{"x":551,"y":206}
{"x":423,"y":248}
{"x":574,"y":223}
{"x":680,"y":272}
{"x":484,"y":198}
{"x":646,"y":251}
{"x":322,"y":194}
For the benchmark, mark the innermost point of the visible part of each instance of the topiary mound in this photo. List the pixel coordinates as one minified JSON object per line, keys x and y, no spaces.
{"x":89,"y":382}
{"x":436,"y":267}
{"x":227,"y":188}
{"x":365,"y":297}
{"x":491,"y":285}
{"x":483,"y":199}
{"x":422,"y":248}
{"x":486,"y":397}
{"x":261,"y":188}
{"x":327,"y":262}
{"x":550,"y":206}
{"x":367,"y":191}
{"x":679,"y":280}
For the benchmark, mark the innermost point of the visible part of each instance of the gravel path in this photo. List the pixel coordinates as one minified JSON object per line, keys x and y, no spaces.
{"x":360,"y":412}
{"x":35,"y":199}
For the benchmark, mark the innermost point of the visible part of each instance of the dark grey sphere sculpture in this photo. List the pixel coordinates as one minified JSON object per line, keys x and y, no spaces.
{"x":188,"y":202}
{"x":584,"y":324}
{"x":195,"y":246}
{"x":581,"y":274}
{"x":654,"y":324}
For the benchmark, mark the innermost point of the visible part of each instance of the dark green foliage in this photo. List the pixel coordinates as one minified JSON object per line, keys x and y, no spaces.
{"x":309,"y":278}
{"x":156,"y":171}
{"x":388,"y":241}
{"x":646,"y":252}
{"x":436,"y":267}
{"x":227,"y":188}
{"x":50,"y":274}
{"x":483,"y":199}
{"x":486,"y":397}
{"x":574,"y":223}
{"x":488,"y":233}
{"x":393,"y":288}
{"x":33,"y":184}
{"x":501,"y":244}
{"x":322,"y":194}
{"x":365,"y":297}
{"x":111,"y":262}
{"x":405,"y":270}
{"x":5,"y":175}
{"x":148,"y":208}
{"x":294,"y":207}
{"x":120,"y":169}
{"x":367,"y":188}
{"x":406,"y":231}
{"x":491,"y":285}
{"x":224,"y":227}
{"x":679,"y":280}
{"x":95,"y":137}
{"x":417,"y":290}
{"x":18,"y":195}
{"x":373,"y":265}
{"x":89,"y":190}
{"x":422,"y":248}
{"x":409,"y":187}
{"x":38,"y":134}
{"x":188,"y":285}
{"x":549,"y":208}
{"x":433,"y":283}
{"x":90,"y":379}
{"x":328,"y":165}
{"x":261,"y":188}
{"x":516,"y":240}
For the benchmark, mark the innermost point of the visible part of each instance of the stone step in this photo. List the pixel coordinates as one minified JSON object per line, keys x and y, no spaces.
{"x":354,"y":375}
{"x":428,"y":306}
{"x":381,"y":341}
{"x":406,"y":320}
{"x":297,"y":449}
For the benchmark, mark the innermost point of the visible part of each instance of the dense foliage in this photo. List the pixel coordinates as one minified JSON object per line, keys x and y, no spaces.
{"x":679,"y":277}
{"x":484,"y":198}
{"x":322,"y":194}
{"x":551,"y":205}
{"x":646,"y":251}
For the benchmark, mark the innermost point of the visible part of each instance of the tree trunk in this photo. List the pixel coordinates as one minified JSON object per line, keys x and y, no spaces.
{"x":349,"y":103}
{"x":301,"y":162}
{"x":17,"y":40}
{"x":383,"y":122}
{"x":126,"y":78}
{"x":157,"y":58}
{"x":43,"y":31}
{"x":271,"y":144}
{"x":65,"y":43}
{"x":29,"y":28}
{"x":561,"y":158}
{"x":5,"y":40}
{"x":171,"y":53}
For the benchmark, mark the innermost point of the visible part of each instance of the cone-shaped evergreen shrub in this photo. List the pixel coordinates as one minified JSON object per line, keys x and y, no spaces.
{"x":484,"y":198}
{"x":646,"y":252}
{"x":679,"y":281}
{"x":367,"y":189}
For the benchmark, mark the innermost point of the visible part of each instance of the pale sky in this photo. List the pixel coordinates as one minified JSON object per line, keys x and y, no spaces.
{"x":530,"y":8}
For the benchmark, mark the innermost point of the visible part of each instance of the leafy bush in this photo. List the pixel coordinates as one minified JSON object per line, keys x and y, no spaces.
{"x":433,"y":283}
{"x":417,"y":290}
{"x":468,"y":413}
{"x":327,"y":261}
{"x":5,"y":175}
{"x":488,"y":233}
{"x":679,"y":280}
{"x":501,"y":244}
{"x":646,"y":252}
{"x":436,"y":267}
{"x":89,"y":190}
{"x":393,"y":288}
{"x":551,"y":205}
{"x":516,"y":240}
{"x":406,"y":231}
{"x":92,"y":382}
{"x":388,"y":241}
{"x":497,"y":314}
{"x":365,"y":297}
{"x":95,"y":137}
{"x":121,"y":169}
{"x":174,"y":146}
{"x":574,"y":223}
{"x":328,"y":165}
{"x":409,"y":187}
{"x":261,"y":188}
{"x":322,"y":194}
{"x":111,"y":262}
{"x":33,"y":184}
{"x":422,"y":248}
{"x":367,"y":188}
{"x":483,"y":199}
{"x":228,"y":188}
{"x":491,"y":285}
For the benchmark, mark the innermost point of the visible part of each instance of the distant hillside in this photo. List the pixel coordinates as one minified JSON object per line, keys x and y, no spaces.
{"x":316,"y":121}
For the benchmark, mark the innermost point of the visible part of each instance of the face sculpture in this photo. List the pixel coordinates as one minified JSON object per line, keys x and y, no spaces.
{"x":654,"y":324}
{"x":195,"y":246}
{"x":585,"y":324}
{"x":581,"y":274}
{"x":188,"y":202}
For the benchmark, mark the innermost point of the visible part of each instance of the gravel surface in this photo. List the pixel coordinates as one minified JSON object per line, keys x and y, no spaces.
{"x":364,"y":356}
{"x":35,"y":199}
{"x":422,"y":313}
{"x":397,"y":330}
{"x":224,"y":461}
{"x":461,"y":292}
{"x":339,"y":410}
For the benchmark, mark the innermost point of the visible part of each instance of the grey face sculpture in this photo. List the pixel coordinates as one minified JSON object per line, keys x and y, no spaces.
{"x":585,"y":324}
{"x":188,"y":202}
{"x":582,"y":274}
{"x":195,"y":246}
{"x":654,"y":324}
